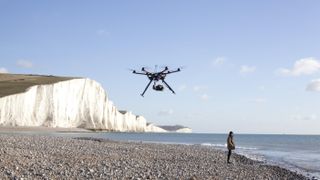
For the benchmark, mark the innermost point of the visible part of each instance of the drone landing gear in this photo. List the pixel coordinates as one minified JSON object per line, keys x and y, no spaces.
{"x":168,"y":86}
{"x":158,"y":87}
{"x":146,"y":88}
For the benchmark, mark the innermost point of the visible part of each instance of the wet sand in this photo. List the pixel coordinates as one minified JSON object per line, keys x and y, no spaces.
{"x":44,"y":157}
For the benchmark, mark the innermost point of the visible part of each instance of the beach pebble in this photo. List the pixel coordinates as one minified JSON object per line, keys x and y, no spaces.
{"x":45,"y":157}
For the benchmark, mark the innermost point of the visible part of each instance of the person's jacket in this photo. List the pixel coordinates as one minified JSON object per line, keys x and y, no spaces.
{"x":230,"y":143}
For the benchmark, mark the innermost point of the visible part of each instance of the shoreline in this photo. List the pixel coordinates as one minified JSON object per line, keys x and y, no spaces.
{"x":40,"y":129}
{"x":41,"y":157}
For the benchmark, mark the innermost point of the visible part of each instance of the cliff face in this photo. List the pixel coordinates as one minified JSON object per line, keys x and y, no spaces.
{"x":79,"y":103}
{"x":154,"y":128}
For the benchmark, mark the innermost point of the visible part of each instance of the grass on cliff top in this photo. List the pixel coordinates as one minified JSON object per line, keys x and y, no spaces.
{"x":18,"y":83}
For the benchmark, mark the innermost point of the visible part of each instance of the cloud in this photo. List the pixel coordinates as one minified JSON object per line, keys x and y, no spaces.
{"x":3,"y":70}
{"x":24,"y":63}
{"x":259,"y":100}
{"x":219,"y":61}
{"x":262,"y":88}
{"x":305,"y":117}
{"x":182,"y":87}
{"x":204,"y":97}
{"x":198,"y":88}
{"x":305,"y":66}
{"x":166,"y":112}
{"x":103,"y":32}
{"x":314,"y":85}
{"x":244,"y":69}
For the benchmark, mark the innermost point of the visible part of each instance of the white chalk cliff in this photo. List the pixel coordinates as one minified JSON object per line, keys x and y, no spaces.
{"x":184,"y":130}
{"x":75,"y":103}
{"x":154,"y":128}
{"x":81,"y":103}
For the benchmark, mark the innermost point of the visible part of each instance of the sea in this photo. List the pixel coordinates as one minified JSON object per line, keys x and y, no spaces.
{"x":298,"y":153}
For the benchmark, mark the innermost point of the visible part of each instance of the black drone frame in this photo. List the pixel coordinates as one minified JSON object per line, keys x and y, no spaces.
{"x":157,"y":76}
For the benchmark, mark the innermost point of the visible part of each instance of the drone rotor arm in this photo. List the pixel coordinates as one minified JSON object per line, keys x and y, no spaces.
{"x":165,"y":69}
{"x":175,"y":71}
{"x":134,"y":72}
{"x":144,"y":70}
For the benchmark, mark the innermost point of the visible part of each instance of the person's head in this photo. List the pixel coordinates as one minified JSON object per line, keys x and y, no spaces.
{"x":231,"y":133}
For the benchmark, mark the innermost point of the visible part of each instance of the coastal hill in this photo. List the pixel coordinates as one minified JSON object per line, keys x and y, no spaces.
{"x":19,"y":83}
{"x":65,"y":102}
{"x":176,"y":128}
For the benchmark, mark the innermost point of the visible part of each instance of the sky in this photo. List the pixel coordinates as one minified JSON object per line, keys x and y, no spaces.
{"x":249,"y":66}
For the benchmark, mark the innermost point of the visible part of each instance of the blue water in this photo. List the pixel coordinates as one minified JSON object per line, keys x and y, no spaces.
{"x":299,"y":153}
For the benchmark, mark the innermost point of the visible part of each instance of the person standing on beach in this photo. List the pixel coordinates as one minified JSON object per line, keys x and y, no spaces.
{"x":230,"y":145}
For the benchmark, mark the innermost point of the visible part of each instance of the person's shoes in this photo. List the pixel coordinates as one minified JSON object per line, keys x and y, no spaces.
{"x":229,"y":162}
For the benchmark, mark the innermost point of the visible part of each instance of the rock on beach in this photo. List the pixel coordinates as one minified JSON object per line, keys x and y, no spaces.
{"x":46,"y":157}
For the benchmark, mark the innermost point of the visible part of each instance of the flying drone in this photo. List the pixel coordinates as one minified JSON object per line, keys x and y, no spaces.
{"x":155,"y":77}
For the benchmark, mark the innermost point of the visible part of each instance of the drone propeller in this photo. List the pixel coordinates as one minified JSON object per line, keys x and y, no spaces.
{"x":146,"y":69}
{"x":165,"y":67}
{"x":168,"y":67}
{"x":132,"y":70}
{"x":182,"y":67}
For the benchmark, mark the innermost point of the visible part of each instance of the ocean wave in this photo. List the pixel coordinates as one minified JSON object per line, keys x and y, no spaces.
{"x":214,"y":145}
{"x":225,"y":145}
{"x":247,"y":148}
{"x":255,"y":157}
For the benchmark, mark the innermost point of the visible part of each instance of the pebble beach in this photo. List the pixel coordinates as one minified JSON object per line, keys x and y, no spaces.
{"x":45,"y":157}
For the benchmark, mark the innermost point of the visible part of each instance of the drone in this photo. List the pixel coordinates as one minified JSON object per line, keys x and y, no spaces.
{"x":155,"y":77}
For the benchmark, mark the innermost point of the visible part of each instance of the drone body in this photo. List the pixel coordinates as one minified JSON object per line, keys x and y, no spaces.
{"x":156,"y":77}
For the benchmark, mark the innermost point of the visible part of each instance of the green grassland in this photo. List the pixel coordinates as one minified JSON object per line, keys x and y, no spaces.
{"x":18,"y":83}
